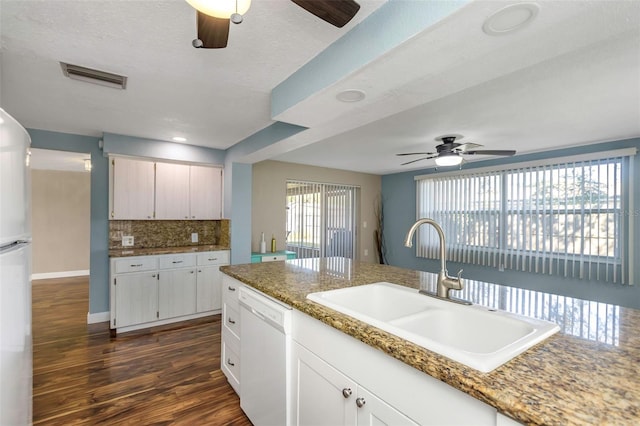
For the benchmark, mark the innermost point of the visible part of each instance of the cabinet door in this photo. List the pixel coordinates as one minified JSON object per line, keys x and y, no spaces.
{"x":136,"y":298}
{"x":176,"y":293}
{"x":322,"y":395}
{"x":205,"y":188}
{"x":372,"y":411}
{"x":133,"y":192}
{"x":209,"y":289}
{"x":172,"y":191}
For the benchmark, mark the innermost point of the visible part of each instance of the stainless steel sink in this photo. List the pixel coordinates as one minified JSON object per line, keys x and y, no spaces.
{"x":476,"y":336}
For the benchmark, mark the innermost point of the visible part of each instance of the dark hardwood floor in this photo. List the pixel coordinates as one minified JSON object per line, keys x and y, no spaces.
{"x":166,"y":375}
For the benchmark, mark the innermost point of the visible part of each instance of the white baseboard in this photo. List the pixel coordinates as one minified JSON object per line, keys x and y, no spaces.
{"x":97,"y":317}
{"x":63,"y":274}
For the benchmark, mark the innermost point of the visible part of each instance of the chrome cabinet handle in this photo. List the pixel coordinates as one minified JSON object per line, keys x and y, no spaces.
{"x":231,"y":288}
{"x":215,"y":258}
{"x":177,"y":261}
{"x":230,"y":363}
{"x":231,"y":321}
{"x":136,"y":266}
{"x":346,"y":392}
{"x":360,"y":402}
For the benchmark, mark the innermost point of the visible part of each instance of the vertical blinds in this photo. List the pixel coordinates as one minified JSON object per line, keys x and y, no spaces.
{"x":565,"y":219}
{"x":321,"y":219}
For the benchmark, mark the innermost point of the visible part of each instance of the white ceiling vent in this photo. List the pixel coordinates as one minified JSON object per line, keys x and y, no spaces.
{"x":90,"y":75}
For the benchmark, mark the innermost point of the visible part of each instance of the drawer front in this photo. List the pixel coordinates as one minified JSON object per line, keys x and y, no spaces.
{"x":214,"y":258}
{"x":232,"y":320}
{"x":230,"y":365}
{"x":230,"y":289}
{"x":274,"y":258}
{"x":173,"y":261}
{"x":135,"y":264}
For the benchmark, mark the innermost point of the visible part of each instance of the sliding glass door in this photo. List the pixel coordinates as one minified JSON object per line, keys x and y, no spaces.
{"x":321,"y":219}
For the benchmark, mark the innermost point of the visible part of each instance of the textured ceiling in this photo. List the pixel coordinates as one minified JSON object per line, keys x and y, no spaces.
{"x":570,"y":77}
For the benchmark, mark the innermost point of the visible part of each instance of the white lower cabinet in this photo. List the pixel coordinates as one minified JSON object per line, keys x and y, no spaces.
{"x":323,"y":395}
{"x":154,"y":290}
{"x":383,"y":390}
{"x":176,"y":293}
{"x":136,"y":299}
{"x":230,"y":345}
{"x":208,"y":290}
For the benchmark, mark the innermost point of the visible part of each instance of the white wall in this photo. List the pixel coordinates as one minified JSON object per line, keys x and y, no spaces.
{"x":60,"y":220}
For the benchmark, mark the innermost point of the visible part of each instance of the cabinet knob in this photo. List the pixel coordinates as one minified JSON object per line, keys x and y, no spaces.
{"x":360,"y":402}
{"x":346,"y":392}
{"x":148,"y":217}
{"x":233,"y":322}
{"x":232,"y":288}
{"x":231,"y":363}
{"x":193,"y":217}
{"x":193,"y":272}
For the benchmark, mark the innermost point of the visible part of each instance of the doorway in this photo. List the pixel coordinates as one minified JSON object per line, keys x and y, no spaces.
{"x":60,"y":213}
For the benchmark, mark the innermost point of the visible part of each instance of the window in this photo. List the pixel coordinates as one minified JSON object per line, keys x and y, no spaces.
{"x":321,"y":219}
{"x":566,"y":218}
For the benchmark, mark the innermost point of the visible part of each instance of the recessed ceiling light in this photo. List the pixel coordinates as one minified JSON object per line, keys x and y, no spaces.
{"x":351,"y":95}
{"x":510,"y":18}
{"x":179,"y":139}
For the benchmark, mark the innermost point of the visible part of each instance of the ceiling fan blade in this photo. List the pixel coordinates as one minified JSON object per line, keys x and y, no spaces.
{"x":213,"y":32}
{"x":464,"y":147}
{"x":419,"y":159}
{"x":417,"y":153}
{"x":490,"y":152}
{"x":335,"y":12}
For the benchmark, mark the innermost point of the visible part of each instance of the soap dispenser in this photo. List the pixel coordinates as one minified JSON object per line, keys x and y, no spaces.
{"x":273,"y":243}
{"x":263,"y":245}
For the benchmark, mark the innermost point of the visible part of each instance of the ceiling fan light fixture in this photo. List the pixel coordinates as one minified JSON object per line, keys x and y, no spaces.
{"x":447,"y":160}
{"x":221,"y":8}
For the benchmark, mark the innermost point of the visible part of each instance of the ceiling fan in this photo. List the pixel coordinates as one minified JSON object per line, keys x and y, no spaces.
{"x":451,"y":153}
{"x":213,"y":17}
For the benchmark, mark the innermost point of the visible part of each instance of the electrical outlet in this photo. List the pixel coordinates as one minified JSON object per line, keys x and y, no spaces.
{"x":194,"y":237}
{"x":127,"y":240}
{"x":366,"y":252}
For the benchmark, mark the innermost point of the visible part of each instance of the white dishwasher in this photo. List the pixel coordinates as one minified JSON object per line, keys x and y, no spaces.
{"x":265,"y":346}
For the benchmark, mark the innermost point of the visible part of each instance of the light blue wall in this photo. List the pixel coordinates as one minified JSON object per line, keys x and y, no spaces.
{"x":237,"y":185}
{"x":161,"y":150}
{"x":99,"y":245}
{"x":241,"y":213}
{"x":399,"y":200}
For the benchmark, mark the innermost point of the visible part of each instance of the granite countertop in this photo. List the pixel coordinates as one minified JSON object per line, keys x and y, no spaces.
{"x":163,"y":250}
{"x":588,"y":373}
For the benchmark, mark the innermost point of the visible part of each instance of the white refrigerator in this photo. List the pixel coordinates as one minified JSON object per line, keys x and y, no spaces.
{"x":16,"y":370}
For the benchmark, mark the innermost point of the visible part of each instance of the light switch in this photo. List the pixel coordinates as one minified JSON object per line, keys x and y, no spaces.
{"x":194,"y":237}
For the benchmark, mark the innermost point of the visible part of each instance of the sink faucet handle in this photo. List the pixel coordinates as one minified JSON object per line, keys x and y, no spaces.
{"x":460,"y":274}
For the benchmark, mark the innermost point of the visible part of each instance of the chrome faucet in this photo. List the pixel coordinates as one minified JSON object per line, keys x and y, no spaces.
{"x":445,"y":282}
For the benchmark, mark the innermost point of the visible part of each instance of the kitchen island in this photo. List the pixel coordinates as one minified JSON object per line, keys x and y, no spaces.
{"x":588,"y":373}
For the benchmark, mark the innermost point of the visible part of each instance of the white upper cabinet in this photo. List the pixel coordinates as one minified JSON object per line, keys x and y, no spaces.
{"x":205,"y":189}
{"x":172,"y":191}
{"x":143,"y":190}
{"x":132,"y":189}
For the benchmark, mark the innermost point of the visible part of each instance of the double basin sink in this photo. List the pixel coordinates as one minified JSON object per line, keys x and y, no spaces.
{"x":476,"y":336}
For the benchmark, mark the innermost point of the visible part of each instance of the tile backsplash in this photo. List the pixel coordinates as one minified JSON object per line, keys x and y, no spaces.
{"x":169,"y":233}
